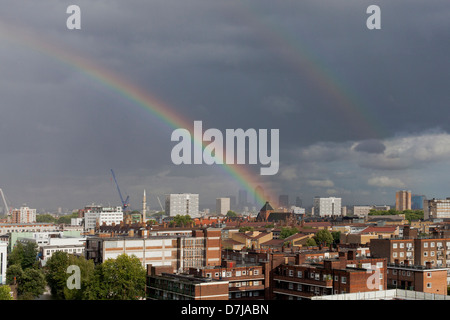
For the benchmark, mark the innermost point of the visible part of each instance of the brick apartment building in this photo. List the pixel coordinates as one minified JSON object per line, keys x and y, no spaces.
{"x":418,"y":278}
{"x":170,"y":286}
{"x":179,"y":252}
{"x":246,"y":281}
{"x":413,"y":251}
{"x":346,"y":274}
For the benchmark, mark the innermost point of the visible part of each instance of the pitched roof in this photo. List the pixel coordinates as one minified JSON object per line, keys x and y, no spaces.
{"x":266,"y":207}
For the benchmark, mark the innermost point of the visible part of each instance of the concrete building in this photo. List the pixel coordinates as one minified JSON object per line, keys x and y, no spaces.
{"x":182,"y":204}
{"x":283,"y":201}
{"x":436,"y":209}
{"x":327,"y":206}
{"x":178,"y":253}
{"x":169,"y":286}
{"x":223,"y":206}
{"x":3,"y":262}
{"x":23,"y":215}
{"x":403,"y":200}
{"x":98,"y":215}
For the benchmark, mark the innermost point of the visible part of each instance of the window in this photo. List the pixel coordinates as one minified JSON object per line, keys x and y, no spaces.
{"x":394,"y":254}
{"x":402,"y":245}
{"x":432,"y":244}
{"x":394,"y":246}
{"x":299,"y":274}
{"x":291,"y":273}
{"x":256,"y":272}
{"x":425,"y":244}
{"x":428,"y":274}
{"x":238,"y":273}
{"x":343,"y":279}
{"x":428,"y":284}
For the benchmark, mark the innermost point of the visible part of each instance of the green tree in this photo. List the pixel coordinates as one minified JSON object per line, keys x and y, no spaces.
{"x":45,"y":218}
{"x":336,"y":236}
{"x":56,"y":273}
{"x":57,"y":276}
{"x":118,"y":279}
{"x":31,"y":284}
{"x":181,"y":221}
{"x":86,"y":274}
{"x":287,"y":232}
{"x":24,"y":255}
{"x":323,"y":237}
{"x":66,"y":219}
{"x":231,"y":213}
{"x":5,"y":292}
{"x":13,"y":271}
{"x":246,"y":228}
{"x":311,"y":242}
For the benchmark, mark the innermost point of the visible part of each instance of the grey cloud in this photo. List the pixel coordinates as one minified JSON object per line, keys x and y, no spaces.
{"x":370,"y":146}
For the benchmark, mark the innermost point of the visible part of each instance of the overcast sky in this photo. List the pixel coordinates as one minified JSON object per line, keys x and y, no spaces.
{"x":361,"y":113}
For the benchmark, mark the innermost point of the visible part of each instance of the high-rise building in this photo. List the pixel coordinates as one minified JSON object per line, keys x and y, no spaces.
{"x":436,"y":209}
{"x":182,"y":204}
{"x":417,"y":201}
{"x":259,"y":193}
{"x":222,"y":206}
{"x":232,"y":202}
{"x":403,"y":200}
{"x":298,"y":202}
{"x":23,"y":215}
{"x":327,"y":206}
{"x":283,"y":201}
{"x":99,"y":214}
{"x":242,"y":198}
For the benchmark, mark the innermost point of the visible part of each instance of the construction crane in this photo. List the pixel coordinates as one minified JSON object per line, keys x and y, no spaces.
{"x":4,"y":202}
{"x":162,"y":209}
{"x":125,"y":203}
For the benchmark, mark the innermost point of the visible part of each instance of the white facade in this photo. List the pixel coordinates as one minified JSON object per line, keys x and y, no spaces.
{"x":71,"y":245}
{"x":327,"y":206}
{"x":24,"y":215}
{"x":222,"y":206}
{"x":3,"y":253}
{"x":436,"y":209}
{"x":108,"y":215}
{"x":182,"y":204}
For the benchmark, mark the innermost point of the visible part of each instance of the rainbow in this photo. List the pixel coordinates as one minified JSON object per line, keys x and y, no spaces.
{"x":130,"y":91}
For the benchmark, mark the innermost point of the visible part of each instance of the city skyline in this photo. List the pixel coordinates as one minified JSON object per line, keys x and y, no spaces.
{"x":361,"y":113}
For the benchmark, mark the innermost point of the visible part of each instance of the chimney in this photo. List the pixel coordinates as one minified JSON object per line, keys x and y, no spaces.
{"x":351,"y":255}
{"x":428,"y":265}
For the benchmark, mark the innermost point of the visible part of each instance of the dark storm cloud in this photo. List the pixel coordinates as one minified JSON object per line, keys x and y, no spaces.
{"x":370,"y":146}
{"x":310,"y":69}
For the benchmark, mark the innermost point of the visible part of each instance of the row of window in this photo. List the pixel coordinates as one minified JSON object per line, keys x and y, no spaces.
{"x":237,"y":273}
{"x":406,"y":273}
{"x":430,"y":244}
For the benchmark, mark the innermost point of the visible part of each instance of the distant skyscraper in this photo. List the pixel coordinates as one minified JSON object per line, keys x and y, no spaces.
{"x":232,"y":202}
{"x":242,"y":198}
{"x":417,"y":202}
{"x":327,"y":206}
{"x":222,"y":206}
{"x":181,"y":204}
{"x":298,"y":202}
{"x":259,"y":193}
{"x":283,"y":201}
{"x":403,"y":200}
